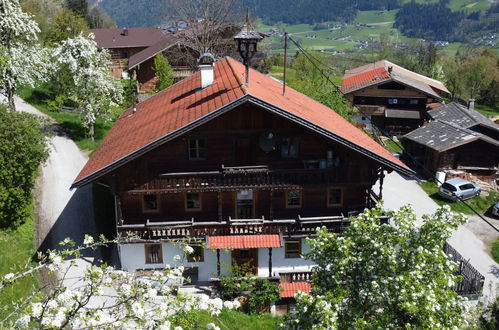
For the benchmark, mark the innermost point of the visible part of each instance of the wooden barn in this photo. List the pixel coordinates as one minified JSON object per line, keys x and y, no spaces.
{"x":458,"y":138}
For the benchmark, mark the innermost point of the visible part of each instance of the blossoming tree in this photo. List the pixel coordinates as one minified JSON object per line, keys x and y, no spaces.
{"x":380,"y":276}
{"x":26,"y":62}
{"x":106,"y":298}
{"x":85,"y":72}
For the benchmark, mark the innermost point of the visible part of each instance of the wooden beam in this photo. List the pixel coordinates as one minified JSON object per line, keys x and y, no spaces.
{"x":218,"y":262}
{"x":270,"y":262}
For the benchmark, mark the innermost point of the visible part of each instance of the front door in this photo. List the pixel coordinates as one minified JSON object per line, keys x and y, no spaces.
{"x":246,"y":256}
{"x":244,"y":204}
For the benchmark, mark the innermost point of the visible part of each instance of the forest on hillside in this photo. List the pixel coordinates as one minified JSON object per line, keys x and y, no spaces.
{"x":435,"y":21}
{"x":154,"y":12}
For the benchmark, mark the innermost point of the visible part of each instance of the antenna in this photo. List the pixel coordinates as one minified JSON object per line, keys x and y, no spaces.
{"x":285,"y":62}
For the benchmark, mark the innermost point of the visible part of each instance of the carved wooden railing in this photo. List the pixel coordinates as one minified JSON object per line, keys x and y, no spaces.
{"x":293,"y":277}
{"x":301,"y":226}
{"x":235,"y":178}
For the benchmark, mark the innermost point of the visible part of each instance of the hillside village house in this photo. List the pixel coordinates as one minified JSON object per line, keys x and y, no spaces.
{"x":246,"y":171}
{"x":392,"y":98}
{"x":132,"y":53}
{"x":457,"y":138}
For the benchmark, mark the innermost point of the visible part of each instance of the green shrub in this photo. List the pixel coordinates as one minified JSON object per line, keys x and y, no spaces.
{"x":23,"y":148}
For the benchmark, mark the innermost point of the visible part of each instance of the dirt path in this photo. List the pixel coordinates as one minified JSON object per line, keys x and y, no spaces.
{"x":62,"y":212}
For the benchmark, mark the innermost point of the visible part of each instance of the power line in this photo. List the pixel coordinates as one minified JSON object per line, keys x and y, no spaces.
{"x":310,"y":57}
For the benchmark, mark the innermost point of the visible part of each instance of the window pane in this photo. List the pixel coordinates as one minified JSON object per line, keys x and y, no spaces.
{"x":150,"y":202}
{"x":197,"y":148}
{"x":289,"y":148}
{"x":153,"y":254}
{"x":334,"y":196}
{"x":193,"y":201}
{"x":292,"y":248}
{"x":294,"y":198}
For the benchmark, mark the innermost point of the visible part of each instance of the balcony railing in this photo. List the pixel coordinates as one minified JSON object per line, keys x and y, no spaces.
{"x":293,"y":277}
{"x":248,"y":177}
{"x":301,"y":226}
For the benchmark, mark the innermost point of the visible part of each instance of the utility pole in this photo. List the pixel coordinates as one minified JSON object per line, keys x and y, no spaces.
{"x":285,"y":62}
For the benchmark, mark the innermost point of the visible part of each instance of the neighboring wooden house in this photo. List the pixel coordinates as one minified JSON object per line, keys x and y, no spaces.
{"x":132,"y":53}
{"x":245,"y":171}
{"x":393,"y":98}
{"x":458,"y":138}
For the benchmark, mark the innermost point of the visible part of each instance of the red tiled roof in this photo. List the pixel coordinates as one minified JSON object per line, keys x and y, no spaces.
{"x":288,"y":290}
{"x":364,"y":76}
{"x":244,"y":242}
{"x":179,"y":107}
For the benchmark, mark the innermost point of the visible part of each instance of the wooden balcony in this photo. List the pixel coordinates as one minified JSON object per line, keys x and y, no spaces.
{"x":294,"y":277}
{"x":298,"y":227}
{"x":237,"y":178}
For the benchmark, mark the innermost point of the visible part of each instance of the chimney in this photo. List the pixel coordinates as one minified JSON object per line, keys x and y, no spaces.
{"x":390,"y":69}
{"x":471,"y":104}
{"x":125,"y":32}
{"x":206,"y":62}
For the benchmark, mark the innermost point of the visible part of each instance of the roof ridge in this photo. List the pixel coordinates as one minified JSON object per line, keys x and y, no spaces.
{"x":241,"y":85}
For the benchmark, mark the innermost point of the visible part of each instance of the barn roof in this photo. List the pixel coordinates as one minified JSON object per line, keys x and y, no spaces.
{"x":441,"y":136}
{"x":184,"y":106}
{"x":462,"y":116}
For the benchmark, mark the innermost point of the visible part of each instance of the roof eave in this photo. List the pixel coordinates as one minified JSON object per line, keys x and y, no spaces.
{"x":149,"y":57}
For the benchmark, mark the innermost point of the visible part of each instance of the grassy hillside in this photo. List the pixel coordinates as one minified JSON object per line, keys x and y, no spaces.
{"x":368,"y":25}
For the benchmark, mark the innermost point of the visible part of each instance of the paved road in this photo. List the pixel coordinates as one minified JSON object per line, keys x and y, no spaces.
{"x":398,"y":191}
{"x":61,"y":212}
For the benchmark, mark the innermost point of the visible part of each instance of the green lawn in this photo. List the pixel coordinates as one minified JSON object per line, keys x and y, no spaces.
{"x":17,"y":249}
{"x":487,"y":111}
{"x":235,"y":320}
{"x":392,"y":146}
{"x":480,"y":203}
{"x":71,"y":123}
{"x":495,"y":250}
{"x":376,"y":16}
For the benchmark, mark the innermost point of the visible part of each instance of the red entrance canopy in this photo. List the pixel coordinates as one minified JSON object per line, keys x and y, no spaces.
{"x":289,"y":289}
{"x":244,"y":241}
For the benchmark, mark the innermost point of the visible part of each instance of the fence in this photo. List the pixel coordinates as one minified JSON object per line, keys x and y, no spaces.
{"x":472,"y":282}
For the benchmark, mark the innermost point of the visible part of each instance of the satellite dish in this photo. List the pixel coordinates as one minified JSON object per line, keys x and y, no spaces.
{"x":267,"y":142}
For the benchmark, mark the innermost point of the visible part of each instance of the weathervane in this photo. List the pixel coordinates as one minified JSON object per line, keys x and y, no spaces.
{"x":247,"y":40}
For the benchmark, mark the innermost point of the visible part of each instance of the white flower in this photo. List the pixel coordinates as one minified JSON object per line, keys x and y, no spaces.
{"x":228,"y":304}
{"x":212,"y":326}
{"x":126,"y":289}
{"x":88,"y":240}
{"x":22,"y":322}
{"x":236,"y":304}
{"x":36,"y":309}
{"x":9,"y":276}
{"x":176,"y":258}
{"x":188,"y":249}
{"x":137,"y":310}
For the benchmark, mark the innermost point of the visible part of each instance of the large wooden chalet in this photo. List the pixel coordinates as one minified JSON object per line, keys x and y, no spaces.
{"x":246,"y":171}
{"x":132,"y":53}
{"x":391,"y":97}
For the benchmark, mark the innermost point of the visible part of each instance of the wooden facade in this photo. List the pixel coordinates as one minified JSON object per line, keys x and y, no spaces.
{"x":393,"y":107}
{"x":478,"y":157}
{"x":199,"y":196}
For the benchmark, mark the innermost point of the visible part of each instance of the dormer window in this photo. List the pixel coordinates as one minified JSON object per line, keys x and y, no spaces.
{"x":197,"y":148}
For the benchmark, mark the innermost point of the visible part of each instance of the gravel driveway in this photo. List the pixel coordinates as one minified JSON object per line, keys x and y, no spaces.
{"x":398,"y":191}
